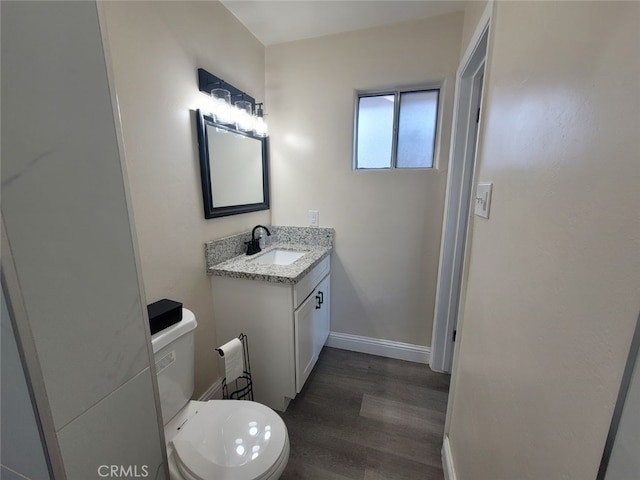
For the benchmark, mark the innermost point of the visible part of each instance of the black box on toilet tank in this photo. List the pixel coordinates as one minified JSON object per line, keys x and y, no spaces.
{"x":163,"y":314}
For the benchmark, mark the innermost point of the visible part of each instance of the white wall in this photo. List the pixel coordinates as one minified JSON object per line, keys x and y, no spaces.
{"x":156,"y":49}
{"x":387,"y":223}
{"x":552,"y":293}
{"x":69,"y":239}
{"x":473,"y":9}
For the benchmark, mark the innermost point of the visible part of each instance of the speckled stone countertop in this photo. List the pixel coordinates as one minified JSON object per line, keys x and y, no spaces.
{"x":226,"y":257}
{"x":245,"y":266}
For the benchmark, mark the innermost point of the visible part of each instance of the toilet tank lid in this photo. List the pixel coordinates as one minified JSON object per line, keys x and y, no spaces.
{"x":164,"y":337}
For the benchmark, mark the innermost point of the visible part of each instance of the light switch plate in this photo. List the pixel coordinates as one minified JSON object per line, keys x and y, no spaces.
{"x":482,"y":199}
{"x":314,"y":218}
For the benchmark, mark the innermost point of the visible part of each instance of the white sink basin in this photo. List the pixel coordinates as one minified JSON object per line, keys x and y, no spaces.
{"x":279,"y":257}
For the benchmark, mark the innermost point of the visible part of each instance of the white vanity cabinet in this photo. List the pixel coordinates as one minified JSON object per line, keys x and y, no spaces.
{"x":286,"y":324}
{"x":311,"y":329}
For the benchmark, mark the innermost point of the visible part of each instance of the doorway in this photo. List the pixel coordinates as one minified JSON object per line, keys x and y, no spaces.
{"x":460,"y":187}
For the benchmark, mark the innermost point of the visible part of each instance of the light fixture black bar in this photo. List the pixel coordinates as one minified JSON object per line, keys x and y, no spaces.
{"x":207,"y":82}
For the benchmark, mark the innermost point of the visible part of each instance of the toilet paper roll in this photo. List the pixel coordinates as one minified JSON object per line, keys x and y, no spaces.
{"x":233,"y":355}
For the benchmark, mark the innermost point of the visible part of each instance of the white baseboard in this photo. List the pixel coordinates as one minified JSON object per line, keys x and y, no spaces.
{"x":213,"y":392}
{"x":383,"y":348}
{"x":447,"y":460}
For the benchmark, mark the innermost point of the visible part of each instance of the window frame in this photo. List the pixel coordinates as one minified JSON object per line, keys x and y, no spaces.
{"x":397,"y":92}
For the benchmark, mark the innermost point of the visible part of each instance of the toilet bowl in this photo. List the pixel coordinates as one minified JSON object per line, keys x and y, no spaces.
{"x":215,"y":439}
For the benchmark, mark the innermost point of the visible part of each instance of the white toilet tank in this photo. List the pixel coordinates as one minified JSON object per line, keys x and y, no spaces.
{"x":173,"y":349}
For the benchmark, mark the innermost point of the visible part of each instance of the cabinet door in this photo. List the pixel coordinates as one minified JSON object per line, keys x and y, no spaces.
{"x":306,"y":320}
{"x":323,"y":325}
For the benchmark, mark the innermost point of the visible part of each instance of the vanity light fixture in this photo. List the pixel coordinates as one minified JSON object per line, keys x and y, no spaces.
{"x":239,"y":114}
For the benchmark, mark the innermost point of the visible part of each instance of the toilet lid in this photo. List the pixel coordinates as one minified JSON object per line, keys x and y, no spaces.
{"x":230,"y":439}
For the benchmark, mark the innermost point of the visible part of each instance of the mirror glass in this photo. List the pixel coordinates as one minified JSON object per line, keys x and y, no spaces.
{"x":233,"y":168}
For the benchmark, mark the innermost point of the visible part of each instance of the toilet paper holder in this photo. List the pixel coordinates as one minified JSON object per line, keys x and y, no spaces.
{"x":241,"y":387}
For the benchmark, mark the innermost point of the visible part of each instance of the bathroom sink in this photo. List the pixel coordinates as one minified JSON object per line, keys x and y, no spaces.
{"x":279,"y":257}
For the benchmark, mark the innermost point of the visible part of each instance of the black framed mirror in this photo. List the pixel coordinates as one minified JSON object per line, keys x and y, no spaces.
{"x":234,"y":169}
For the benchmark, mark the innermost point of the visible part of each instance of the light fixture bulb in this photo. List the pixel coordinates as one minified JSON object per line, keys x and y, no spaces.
{"x":222,"y":105}
{"x":260,"y":126}
{"x":243,"y":118}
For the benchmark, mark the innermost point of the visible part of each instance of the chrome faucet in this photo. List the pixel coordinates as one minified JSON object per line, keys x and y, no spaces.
{"x":253,"y":245}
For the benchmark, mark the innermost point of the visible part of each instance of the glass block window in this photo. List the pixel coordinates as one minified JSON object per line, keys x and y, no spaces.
{"x":396,"y":129}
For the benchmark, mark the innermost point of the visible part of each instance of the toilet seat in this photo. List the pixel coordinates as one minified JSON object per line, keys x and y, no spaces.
{"x":231,"y":440}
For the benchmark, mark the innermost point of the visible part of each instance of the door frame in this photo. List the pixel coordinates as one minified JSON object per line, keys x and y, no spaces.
{"x":476,"y":58}
{"x":456,"y":230}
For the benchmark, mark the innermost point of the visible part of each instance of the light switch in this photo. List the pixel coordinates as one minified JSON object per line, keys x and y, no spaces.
{"x":314,"y":218}
{"x":482,"y":199}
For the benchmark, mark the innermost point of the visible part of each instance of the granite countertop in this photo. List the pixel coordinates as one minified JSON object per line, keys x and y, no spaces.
{"x":244,"y":266}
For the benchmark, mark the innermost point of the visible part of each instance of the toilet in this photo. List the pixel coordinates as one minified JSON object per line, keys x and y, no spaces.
{"x":216,"y":439}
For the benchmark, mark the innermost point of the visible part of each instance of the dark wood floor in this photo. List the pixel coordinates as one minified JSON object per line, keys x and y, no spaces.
{"x":368,"y":418}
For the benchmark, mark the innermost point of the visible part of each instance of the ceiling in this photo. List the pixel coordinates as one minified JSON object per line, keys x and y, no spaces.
{"x":282,"y":21}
